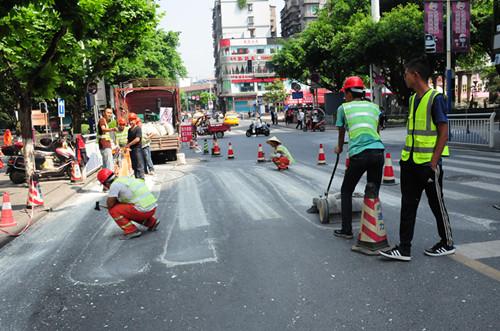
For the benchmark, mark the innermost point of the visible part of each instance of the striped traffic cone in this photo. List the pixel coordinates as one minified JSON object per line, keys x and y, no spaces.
{"x":76,"y":174}
{"x":321,"y":155}
{"x":206,"y":150}
{"x":260,"y":154}
{"x":372,"y":235}
{"x":216,"y":148}
{"x":230,"y":152}
{"x":7,"y":219}
{"x":35,"y":197}
{"x":388,"y":178}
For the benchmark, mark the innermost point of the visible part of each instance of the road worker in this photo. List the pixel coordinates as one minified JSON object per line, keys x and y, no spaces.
{"x":282,"y":157}
{"x":129,"y":200}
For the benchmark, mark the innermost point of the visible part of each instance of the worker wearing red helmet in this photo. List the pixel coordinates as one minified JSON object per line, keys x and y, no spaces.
{"x":122,"y":133}
{"x":129,"y":200}
{"x":134,"y":142}
{"x":366,"y":151}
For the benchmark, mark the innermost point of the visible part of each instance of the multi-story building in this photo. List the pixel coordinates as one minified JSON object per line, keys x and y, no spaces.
{"x":297,"y":14}
{"x":244,"y":44}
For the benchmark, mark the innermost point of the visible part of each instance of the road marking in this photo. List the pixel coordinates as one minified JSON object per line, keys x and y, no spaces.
{"x":447,"y":167}
{"x":449,"y":194}
{"x":469,"y":163}
{"x":477,"y":158}
{"x":484,"y":222}
{"x":484,"y":186}
{"x":191,"y":213}
{"x":480,"y":250}
{"x":477,"y":266}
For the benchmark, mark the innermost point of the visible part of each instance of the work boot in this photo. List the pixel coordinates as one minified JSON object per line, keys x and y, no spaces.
{"x":131,"y":235}
{"x":342,"y":234}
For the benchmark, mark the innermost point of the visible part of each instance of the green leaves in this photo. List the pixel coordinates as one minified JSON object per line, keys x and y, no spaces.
{"x":275,"y":92}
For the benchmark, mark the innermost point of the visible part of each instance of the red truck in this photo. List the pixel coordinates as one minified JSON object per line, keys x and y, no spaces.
{"x":151,"y":102}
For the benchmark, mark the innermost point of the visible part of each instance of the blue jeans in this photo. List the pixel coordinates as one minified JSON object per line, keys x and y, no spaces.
{"x":107,"y":158}
{"x":148,"y":162}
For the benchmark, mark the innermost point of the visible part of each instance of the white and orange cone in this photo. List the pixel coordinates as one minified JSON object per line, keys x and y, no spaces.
{"x":76,"y":174}
{"x":35,"y":197}
{"x":321,"y":155}
{"x":260,"y":154}
{"x":7,"y":219}
{"x":216,"y":148}
{"x":388,"y":178}
{"x":230,"y":152}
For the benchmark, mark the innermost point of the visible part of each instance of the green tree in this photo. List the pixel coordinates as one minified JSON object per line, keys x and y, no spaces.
{"x":275,"y":92}
{"x":205,"y":97}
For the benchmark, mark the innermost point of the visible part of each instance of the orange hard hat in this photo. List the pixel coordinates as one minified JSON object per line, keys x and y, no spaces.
{"x":122,"y":121}
{"x":105,"y":175}
{"x":353,"y":83}
{"x":132,"y":116}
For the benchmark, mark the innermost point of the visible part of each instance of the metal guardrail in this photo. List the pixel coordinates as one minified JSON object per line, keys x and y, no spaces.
{"x":472,"y":129}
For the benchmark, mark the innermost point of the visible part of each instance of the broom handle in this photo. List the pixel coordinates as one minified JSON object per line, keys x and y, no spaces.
{"x":333,"y":174}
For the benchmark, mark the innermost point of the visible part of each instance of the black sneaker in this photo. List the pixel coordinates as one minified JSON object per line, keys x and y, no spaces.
{"x":396,"y":254}
{"x":440,"y":249}
{"x":342,"y":234}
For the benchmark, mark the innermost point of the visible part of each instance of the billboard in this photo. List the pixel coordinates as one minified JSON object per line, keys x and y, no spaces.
{"x":460,"y":26}
{"x":433,"y":27}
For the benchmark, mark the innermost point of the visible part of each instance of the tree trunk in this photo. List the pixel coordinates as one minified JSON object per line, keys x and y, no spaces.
{"x":27,"y":134}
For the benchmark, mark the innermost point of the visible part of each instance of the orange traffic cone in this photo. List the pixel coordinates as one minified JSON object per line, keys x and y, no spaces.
{"x":347,"y":162}
{"x":372,"y":235}
{"x":1,"y":164}
{"x":7,"y":219}
{"x":321,"y":155}
{"x":35,"y":197}
{"x":230,"y":152}
{"x":260,"y":154}
{"x":76,"y":174}
{"x":216,"y":148}
{"x":388,"y":178}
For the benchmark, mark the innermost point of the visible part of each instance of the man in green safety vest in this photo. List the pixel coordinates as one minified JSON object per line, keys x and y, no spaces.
{"x":104,"y":138}
{"x":129,"y":200}
{"x":421,"y":168}
{"x":122,"y":133}
{"x":366,"y":151}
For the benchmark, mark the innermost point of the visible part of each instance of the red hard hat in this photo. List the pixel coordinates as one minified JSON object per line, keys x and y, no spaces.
{"x":132,"y":116}
{"x":122,"y":121}
{"x":353,"y":82}
{"x":104,"y":175}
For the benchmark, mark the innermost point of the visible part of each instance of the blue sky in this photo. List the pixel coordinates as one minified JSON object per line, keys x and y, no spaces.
{"x":193,"y":18}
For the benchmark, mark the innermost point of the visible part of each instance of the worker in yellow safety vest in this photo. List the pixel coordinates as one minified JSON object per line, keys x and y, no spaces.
{"x":421,"y":166}
{"x":122,"y":133}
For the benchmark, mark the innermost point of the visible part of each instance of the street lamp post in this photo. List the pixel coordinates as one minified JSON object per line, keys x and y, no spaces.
{"x":374,"y":70}
{"x":448,"y":56}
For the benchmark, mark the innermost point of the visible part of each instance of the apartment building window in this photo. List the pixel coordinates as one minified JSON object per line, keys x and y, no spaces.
{"x":250,"y":20}
{"x":250,"y":7}
{"x":260,"y":50}
{"x":246,"y":87}
{"x":252,"y":33}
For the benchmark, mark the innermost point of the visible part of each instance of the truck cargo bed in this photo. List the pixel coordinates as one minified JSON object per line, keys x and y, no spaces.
{"x":164,"y":143}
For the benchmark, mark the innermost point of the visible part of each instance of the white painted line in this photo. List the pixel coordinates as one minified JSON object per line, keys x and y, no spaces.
{"x":480,"y":250}
{"x":191,"y":213}
{"x":477,"y":158}
{"x":453,"y":195}
{"x":483,"y":222}
{"x":446,"y":167}
{"x":483,"y":186}
{"x":472,"y":164}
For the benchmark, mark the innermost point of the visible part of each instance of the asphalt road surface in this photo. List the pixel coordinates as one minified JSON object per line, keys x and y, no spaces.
{"x":237,"y":251}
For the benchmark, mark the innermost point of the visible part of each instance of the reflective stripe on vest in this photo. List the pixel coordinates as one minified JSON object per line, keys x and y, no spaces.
{"x":105,"y":135}
{"x":362,"y":118}
{"x":141,"y":196}
{"x":122,"y":137}
{"x":421,"y":131}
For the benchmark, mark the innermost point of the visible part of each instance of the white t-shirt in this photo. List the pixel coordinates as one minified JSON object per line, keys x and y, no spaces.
{"x":123,"y":192}
{"x":301,"y":115}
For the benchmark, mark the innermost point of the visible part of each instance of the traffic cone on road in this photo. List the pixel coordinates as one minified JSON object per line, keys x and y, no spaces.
{"x":205,"y":147}
{"x":76,"y":174}
{"x":35,"y":197}
{"x":230,"y":152}
{"x":372,"y":235}
{"x":260,"y":154}
{"x":7,"y":219}
{"x":192,"y":144}
{"x":388,"y":178}
{"x":216,"y":148}
{"x":347,"y":162}
{"x":321,"y":155}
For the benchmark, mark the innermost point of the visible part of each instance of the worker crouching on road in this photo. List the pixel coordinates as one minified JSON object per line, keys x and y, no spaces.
{"x":366,"y":151}
{"x":282,"y":157}
{"x":129,"y":200}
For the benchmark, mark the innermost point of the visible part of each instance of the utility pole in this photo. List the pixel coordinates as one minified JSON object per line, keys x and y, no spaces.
{"x":374,"y":70}
{"x":449,"y":89}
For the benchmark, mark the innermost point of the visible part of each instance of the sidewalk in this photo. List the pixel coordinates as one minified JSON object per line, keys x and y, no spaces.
{"x":54,"y":193}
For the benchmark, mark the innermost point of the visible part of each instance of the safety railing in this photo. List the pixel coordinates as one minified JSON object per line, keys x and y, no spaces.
{"x":472,"y":129}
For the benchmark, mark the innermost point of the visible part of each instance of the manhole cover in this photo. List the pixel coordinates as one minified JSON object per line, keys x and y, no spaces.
{"x":462,"y":178}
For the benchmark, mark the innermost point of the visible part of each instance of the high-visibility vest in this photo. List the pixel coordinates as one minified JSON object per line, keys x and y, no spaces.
{"x":141,"y":196}
{"x":422,"y":134}
{"x":103,"y":135}
{"x":362,"y":119}
{"x":122,"y":137}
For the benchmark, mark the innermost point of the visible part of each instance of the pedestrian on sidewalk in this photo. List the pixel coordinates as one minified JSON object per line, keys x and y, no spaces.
{"x":282,"y":157}
{"x":135,"y":145}
{"x":366,"y":150}
{"x":274,"y":116}
{"x":104,"y":138}
{"x":129,"y":200}
{"x":149,"y":168}
{"x":300,"y":119}
{"x":421,"y":166}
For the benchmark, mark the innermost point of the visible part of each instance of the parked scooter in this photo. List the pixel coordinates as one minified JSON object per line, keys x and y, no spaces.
{"x":263,"y":129}
{"x":53,"y":160}
{"x":316,"y":121}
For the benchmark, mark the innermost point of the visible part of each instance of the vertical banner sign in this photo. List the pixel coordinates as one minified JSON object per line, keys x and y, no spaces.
{"x":460,"y":26}
{"x":433,"y":27}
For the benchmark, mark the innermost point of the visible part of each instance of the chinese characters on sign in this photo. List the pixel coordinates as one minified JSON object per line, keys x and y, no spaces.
{"x":433,"y":27}
{"x":460,"y":26}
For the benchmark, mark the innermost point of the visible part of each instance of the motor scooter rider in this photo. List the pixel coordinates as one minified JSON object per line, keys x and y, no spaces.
{"x":257,"y":123}
{"x":129,"y":200}
{"x":282,"y":157}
